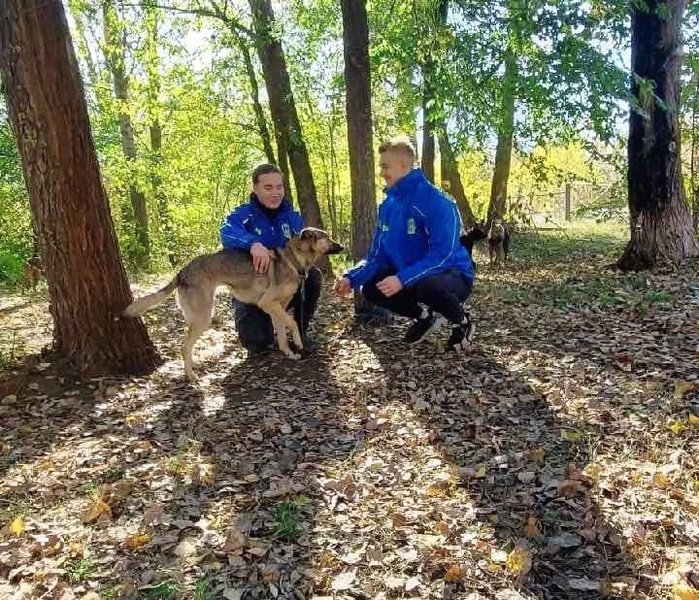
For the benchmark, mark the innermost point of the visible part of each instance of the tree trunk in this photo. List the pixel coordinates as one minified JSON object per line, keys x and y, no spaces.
{"x":283,"y":109}
{"x":661,"y":225}
{"x":114,"y":55}
{"x":503,"y":152}
{"x":359,"y":131}
{"x":450,"y":174}
{"x":86,"y":279}
{"x":156,"y":134}
{"x":255,"y":93}
{"x":427,"y":159}
{"x":694,"y":153}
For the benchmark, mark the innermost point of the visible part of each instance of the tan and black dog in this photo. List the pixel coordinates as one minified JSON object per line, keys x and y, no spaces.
{"x":272,"y":291}
{"x":498,"y":243}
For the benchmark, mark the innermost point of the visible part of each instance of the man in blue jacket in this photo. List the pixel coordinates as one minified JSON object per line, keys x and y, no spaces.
{"x":416,"y":266}
{"x":265,"y":222}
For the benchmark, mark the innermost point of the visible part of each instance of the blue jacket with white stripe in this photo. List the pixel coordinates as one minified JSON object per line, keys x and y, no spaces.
{"x":417,"y":235}
{"x":250,"y":223}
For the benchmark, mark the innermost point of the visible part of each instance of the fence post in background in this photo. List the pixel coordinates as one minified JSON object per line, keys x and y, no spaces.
{"x":567,"y":205}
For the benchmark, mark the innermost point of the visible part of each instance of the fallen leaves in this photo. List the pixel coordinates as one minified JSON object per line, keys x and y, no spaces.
{"x":569,"y":427}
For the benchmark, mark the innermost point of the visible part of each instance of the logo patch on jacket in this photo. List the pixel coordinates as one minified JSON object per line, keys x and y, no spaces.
{"x":411,"y":227}
{"x":286,"y":230}
{"x":258,"y":231}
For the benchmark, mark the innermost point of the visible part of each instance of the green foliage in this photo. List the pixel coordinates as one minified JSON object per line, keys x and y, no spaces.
{"x":165,"y":590}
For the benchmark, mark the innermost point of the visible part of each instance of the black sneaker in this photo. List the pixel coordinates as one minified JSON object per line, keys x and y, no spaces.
{"x":461,"y":336}
{"x":309,"y":344}
{"x":421,"y":327}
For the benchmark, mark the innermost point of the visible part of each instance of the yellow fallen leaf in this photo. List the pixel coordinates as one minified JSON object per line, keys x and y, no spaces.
{"x":682,"y":388}
{"x":96,"y":510}
{"x":685,"y":592}
{"x":661,"y":480}
{"x":694,"y":420}
{"x":17,"y":526}
{"x":570,"y":435}
{"x":481,"y":471}
{"x":134,"y":542}
{"x":519,"y":561}
{"x":676,"y":427}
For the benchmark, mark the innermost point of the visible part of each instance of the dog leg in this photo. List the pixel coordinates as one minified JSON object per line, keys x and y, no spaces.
{"x":280,"y":319}
{"x":194,"y":331}
{"x":294,"y":328}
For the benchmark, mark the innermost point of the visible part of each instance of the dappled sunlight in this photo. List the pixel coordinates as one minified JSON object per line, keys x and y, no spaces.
{"x":552,"y":459}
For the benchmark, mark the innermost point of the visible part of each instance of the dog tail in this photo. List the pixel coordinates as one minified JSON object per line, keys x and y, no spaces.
{"x":138,"y":307}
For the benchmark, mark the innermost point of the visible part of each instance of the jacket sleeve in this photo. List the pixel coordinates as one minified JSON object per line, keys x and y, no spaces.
{"x":375,"y":262}
{"x":296,"y":223}
{"x":443,"y":225}
{"x":233,"y":232}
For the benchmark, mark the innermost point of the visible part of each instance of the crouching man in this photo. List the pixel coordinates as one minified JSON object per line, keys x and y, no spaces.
{"x":416,"y":267}
{"x":265,"y":222}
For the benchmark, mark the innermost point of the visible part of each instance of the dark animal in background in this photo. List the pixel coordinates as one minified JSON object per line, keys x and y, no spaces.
{"x":468,"y":240}
{"x":32,"y":271}
{"x":498,"y":243}
{"x":473,"y":235}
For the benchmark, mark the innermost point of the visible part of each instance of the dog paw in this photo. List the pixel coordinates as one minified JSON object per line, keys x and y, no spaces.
{"x":293,"y":355}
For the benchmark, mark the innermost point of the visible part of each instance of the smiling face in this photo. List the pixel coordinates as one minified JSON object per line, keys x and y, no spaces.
{"x":269,"y":189}
{"x":394,"y":165}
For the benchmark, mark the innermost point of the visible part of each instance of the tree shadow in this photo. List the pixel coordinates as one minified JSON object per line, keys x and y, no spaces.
{"x":518,"y":470}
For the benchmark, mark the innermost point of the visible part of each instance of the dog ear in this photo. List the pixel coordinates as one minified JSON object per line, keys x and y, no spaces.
{"x":309,"y":234}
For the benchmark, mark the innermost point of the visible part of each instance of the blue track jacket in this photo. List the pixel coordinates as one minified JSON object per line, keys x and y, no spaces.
{"x":248,"y":224}
{"x":417,"y":235}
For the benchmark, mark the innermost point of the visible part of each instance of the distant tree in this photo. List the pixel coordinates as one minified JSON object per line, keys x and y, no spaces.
{"x":114,"y":51}
{"x":86,"y":278}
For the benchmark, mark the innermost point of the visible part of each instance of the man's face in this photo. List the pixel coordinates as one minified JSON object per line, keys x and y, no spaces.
{"x":270,"y":189}
{"x":394,"y":166}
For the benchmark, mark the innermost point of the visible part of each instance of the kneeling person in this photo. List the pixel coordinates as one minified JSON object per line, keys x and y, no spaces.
{"x":265,"y":222}
{"x":416,"y":266}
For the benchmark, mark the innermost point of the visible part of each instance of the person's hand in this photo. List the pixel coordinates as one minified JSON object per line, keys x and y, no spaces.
{"x":389,"y":286}
{"x":343,"y":287}
{"x":260,"y":257}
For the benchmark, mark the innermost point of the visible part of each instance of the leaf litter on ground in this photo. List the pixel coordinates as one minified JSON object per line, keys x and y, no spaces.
{"x":555,"y":459}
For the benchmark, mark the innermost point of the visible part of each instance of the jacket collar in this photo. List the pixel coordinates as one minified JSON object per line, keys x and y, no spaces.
{"x":407,"y":183}
{"x":270,"y":213}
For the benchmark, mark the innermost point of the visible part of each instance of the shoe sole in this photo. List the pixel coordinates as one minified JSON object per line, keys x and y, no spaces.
{"x":437,"y":323}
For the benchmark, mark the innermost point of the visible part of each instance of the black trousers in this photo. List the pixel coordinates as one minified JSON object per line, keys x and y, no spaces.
{"x":444,"y":293}
{"x":254,"y":325}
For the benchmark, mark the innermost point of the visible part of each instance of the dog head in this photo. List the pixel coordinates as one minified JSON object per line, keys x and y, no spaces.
{"x":497,"y":230}
{"x":316,"y":242}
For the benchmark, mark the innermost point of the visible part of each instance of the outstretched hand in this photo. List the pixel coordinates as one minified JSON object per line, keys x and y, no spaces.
{"x":342,"y":287}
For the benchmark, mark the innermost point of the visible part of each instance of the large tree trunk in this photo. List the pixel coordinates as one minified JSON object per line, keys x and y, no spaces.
{"x":114,"y":55}
{"x":450,"y":175}
{"x":86,"y":279}
{"x":359,"y":130}
{"x":661,"y":225}
{"x":503,"y":152}
{"x":283,"y":109}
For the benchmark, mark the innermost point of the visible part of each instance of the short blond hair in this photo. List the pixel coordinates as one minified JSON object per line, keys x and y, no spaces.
{"x":399,"y":143}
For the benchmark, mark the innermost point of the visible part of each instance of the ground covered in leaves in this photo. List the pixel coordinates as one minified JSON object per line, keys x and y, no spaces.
{"x":557,"y":459}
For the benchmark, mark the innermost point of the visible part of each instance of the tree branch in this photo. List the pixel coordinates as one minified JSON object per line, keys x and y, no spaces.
{"x":216,"y":13}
